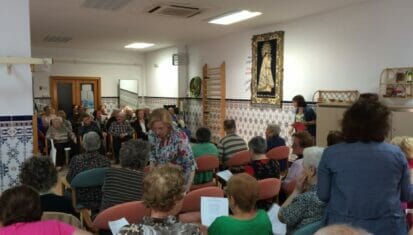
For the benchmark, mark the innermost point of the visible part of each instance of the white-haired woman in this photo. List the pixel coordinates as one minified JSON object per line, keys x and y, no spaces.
{"x":303,"y":207}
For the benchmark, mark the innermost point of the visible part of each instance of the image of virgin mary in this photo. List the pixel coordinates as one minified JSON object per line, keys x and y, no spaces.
{"x":266,"y":79}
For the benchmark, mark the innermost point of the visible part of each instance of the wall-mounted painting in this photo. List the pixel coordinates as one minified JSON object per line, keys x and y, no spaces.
{"x":267,"y":68}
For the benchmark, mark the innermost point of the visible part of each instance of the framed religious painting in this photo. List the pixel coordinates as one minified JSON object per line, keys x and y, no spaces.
{"x":267,"y":68}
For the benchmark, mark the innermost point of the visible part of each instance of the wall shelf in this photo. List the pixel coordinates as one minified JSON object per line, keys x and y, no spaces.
{"x":397,"y":83}
{"x":9,"y":61}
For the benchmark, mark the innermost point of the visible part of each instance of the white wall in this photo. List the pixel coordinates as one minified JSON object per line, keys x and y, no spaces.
{"x":161,"y":75}
{"x":129,"y":85}
{"x":15,"y":42}
{"x":339,"y":50}
{"x":110,"y":66}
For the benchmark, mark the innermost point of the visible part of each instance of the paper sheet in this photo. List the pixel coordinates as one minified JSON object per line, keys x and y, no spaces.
{"x":225,"y":175}
{"x":278,"y":228}
{"x":116,"y":225}
{"x":211,"y":208}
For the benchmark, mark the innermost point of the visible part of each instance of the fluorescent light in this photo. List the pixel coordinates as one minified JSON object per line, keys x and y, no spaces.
{"x":234,"y":17}
{"x":139,"y":45}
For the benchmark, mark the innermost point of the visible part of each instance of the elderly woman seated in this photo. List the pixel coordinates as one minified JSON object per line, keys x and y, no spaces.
{"x":242,"y":191}
{"x":272,"y":134}
{"x":126,"y":184}
{"x":303,"y":207}
{"x":40,"y":174}
{"x":201,"y":148}
{"x":21,"y":211}
{"x":164,"y":190}
{"x":261,"y":167}
{"x":60,"y":134}
{"x":89,"y":197}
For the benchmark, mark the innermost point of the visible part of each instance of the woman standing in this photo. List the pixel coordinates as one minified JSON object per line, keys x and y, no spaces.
{"x":305,"y":117}
{"x":365,"y":179}
{"x":169,"y":144}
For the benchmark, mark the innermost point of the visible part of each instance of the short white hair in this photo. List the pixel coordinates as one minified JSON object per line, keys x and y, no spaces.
{"x":274,"y":129}
{"x":91,"y":141}
{"x":312,"y":156}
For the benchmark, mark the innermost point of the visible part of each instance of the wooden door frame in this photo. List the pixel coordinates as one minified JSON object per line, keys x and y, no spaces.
{"x":77,"y":80}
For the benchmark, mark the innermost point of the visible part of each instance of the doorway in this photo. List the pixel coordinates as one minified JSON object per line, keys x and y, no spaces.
{"x":69,"y":91}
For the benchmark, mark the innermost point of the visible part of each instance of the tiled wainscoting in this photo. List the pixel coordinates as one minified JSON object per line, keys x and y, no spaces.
{"x":111,"y":103}
{"x":158,"y":102}
{"x":16,"y":144}
{"x":127,"y":98}
{"x":251,"y":119}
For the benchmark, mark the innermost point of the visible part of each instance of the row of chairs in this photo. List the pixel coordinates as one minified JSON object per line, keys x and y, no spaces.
{"x":190,"y":212}
{"x":134,"y":211}
{"x":208,"y":163}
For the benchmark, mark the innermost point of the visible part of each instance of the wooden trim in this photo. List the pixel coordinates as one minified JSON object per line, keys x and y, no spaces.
{"x":35,"y":134}
{"x":76,"y":81}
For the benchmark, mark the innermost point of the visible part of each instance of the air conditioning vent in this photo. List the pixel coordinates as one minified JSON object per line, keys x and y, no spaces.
{"x":174,"y":10}
{"x":179,"y":59}
{"x":57,"y":39}
{"x":109,"y":5}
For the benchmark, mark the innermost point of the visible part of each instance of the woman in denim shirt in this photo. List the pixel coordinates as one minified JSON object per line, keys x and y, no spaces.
{"x":365,"y":179}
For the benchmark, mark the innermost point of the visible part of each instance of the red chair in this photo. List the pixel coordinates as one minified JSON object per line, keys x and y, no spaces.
{"x":191,"y":207}
{"x":280,"y":154}
{"x":132,"y":211}
{"x":269,"y":188}
{"x":239,"y":159}
{"x":206,"y":163}
{"x":289,"y":187}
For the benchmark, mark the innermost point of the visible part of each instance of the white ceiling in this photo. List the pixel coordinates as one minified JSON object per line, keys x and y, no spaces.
{"x":111,"y":30}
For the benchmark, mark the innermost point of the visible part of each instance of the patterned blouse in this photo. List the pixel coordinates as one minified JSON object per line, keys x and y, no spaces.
{"x":153,"y":226}
{"x":89,"y":197}
{"x":305,"y":209}
{"x":175,"y":150}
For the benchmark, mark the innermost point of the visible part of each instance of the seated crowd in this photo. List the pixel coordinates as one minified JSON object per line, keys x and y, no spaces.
{"x":359,"y":184}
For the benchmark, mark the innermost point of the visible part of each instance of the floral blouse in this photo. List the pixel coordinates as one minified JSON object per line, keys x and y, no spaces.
{"x":175,"y":150}
{"x":169,"y":225}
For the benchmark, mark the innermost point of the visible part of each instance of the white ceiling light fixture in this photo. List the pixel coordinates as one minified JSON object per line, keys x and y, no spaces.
{"x":234,"y":17}
{"x":139,"y":45}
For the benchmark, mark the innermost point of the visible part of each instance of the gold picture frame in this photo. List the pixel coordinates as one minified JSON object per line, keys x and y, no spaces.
{"x":267,"y":68}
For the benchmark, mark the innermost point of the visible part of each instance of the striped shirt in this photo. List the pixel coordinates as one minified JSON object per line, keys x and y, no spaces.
{"x":121,"y":185}
{"x":229,"y":145}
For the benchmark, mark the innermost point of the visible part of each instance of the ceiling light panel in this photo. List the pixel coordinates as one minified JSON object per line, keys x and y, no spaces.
{"x":139,"y":45}
{"x":234,"y":17}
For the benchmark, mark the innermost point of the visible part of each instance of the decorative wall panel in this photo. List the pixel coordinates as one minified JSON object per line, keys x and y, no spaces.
{"x":16,"y":145}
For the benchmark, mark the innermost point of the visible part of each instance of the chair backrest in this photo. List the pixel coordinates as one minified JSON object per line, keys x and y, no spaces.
{"x":64,"y":217}
{"x":289,"y":187}
{"x":269,"y":188}
{"x":89,"y":178}
{"x":133,"y":212}
{"x":207,"y":163}
{"x":279,"y":153}
{"x":192,"y":201}
{"x":239,"y":159}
